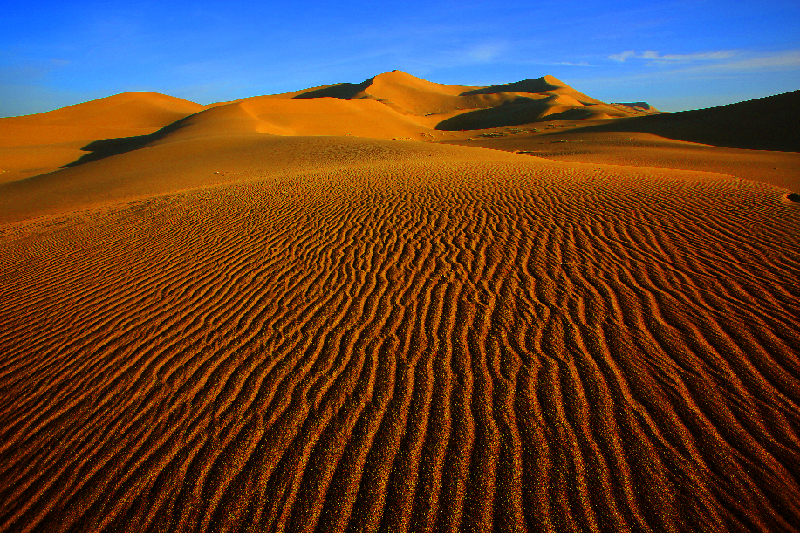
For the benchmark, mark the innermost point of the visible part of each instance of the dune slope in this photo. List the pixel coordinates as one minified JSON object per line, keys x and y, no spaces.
{"x":391,"y":105}
{"x":40,"y":143}
{"x":113,"y":116}
{"x":781,"y":169}
{"x":196,"y":157}
{"x":428,"y":343}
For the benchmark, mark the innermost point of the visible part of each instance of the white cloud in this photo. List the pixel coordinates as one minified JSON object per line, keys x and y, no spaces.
{"x":699,"y":84}
{"x":622,"y":56}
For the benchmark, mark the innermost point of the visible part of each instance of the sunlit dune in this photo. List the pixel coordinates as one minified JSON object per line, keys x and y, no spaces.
{"x":172,"y":165}
{"x":392,"y":105}
{"x":43,"y":142}
{"x":333,"y":310}
{"x":113,"y":116}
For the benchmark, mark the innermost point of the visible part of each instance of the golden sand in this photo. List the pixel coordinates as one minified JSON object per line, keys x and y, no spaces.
{"x":216,"y":327}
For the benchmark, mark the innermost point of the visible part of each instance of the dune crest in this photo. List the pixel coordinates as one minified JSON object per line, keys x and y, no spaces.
{"x":390,"y":105}
{"x":114,"y":116}
{"x":410,"y":95}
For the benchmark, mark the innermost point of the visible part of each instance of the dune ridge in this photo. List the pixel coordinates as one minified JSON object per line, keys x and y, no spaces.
{"x":112,"y":116}
{"x":391,"y":105}
{"x":413,"y":96}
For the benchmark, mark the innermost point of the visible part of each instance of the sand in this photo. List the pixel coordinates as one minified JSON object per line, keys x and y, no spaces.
{"x":42,"y":143}
{"x":223,"y":329}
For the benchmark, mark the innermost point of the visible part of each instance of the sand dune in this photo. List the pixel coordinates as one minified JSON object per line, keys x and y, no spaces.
{"x":643,"y":107}
{"x":173,"y":165}
{"x":107,"y":117}
{"x":398,"y":90}
{"x":413,"y":96}
{"x":524,"y":110}
{"x":391,"y":105}
{"x":43,"y":142}
{"x":247,"y":320}
{"x":545,"y":84}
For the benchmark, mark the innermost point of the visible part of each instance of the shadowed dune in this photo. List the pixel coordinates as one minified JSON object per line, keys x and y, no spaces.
{"x":344,"y":91}
{"x":770,"y":123}
{"x":545,"y":84}
{"x":249,"y":320}
{"x":643,"y":106}
{"x":524,"y":110}
{"x":537,"y":85}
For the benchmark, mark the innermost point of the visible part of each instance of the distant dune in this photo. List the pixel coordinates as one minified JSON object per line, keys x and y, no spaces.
{"x":332,"y":310}
{"x":643,"y":106}
{"x":33,"y":144}
{"x":470,"y":107}
{"x":389,"y":106}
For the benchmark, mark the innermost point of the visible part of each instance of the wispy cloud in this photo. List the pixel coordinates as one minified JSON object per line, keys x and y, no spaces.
{"x":569,"y":64}
{"x":777,"y":61}
{"x":657,"y":57}
{"x":486,"y":51}
{"x":722,"y":62}
{"x":622,"y":56}
{"x":740,"y":75}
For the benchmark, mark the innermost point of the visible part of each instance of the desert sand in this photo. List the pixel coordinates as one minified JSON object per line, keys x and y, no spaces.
{"x":334,"y":310}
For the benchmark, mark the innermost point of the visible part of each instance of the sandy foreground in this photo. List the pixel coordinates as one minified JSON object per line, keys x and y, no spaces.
{"x":240,"y":331}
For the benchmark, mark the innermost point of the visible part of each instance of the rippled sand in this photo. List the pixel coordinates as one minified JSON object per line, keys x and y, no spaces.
{"x":243,"y":332}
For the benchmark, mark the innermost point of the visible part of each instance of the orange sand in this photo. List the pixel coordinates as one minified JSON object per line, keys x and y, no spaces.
{"x":245,"y":319}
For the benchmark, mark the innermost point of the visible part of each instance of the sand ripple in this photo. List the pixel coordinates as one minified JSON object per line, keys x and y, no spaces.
{"x":412,"y":347}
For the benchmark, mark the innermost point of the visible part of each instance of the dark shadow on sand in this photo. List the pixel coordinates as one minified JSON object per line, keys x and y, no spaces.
{"x":520,"y":110}
{"x":103,"y":148}
{"x":537,"y":85}
{"x":342,"y":91}
{"x":771,"y":123}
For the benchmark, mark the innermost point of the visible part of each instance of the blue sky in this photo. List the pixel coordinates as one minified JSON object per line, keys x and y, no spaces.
{"x":675,"y":55}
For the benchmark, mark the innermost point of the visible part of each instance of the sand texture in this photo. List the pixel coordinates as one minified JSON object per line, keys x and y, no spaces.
{"x":222,"y":329}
